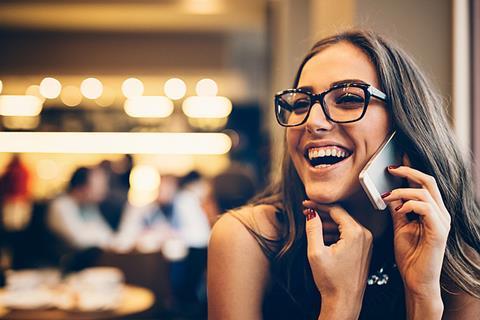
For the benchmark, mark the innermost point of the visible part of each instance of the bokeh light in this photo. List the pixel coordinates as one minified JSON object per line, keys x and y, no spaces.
{"x":107,"y":98}
{"x":144,"y":177}
{"x":34,"y":90}
{"x":1,"y":86}
{"x":132,"y":87}
{"x":175,"y":88}
{"x":50,"y":88}
{"x":91,"y":88}
{"x":148,"y":107}
{"x":47,"y":169}
{"x":144,"y":184}
{"x":206,"y":87}
{"x":71,"y":96}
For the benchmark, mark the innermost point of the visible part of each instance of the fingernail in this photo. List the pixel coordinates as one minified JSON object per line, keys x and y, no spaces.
{"x":393,"y":167}
{"x":385,"y":194}
{"x":310,"y":213}
{"x":399,"y":207}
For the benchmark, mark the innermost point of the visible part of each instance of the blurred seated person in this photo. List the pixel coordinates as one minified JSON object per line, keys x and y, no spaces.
{"x":118,"y":173}
{"x":189,"y":218}
{"x":146,"y":228}
{"x":75,"y":217}
{"x":228,"y":190}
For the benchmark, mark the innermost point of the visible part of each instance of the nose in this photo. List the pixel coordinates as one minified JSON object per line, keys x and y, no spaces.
{"x":317,"y":120}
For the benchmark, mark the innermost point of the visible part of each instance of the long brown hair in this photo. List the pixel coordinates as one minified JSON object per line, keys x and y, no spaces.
{"x":419,"y":116}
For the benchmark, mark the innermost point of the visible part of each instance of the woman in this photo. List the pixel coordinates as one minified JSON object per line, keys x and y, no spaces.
{"x":313,"y":246}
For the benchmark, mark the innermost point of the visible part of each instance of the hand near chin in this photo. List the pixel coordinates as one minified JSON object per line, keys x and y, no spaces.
{"x":340,"y":270}
{"x":421,"y":225}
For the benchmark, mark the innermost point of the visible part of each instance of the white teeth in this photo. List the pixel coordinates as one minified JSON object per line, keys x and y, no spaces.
{"x":327,"y":151}
{"x":323,"y":165}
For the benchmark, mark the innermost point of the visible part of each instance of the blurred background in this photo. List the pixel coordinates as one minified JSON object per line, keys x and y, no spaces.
{"x":135,"y":123}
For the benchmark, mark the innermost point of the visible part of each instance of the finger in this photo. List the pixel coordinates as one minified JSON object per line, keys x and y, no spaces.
{"x":406,"y":160}
{"x":313,"y":229}
{"x":347,"y":225}
{"x":405,"y":194}
{"x":397,"y":219}
{"x":408,"y":194}
{"x":418,"y":177}
{"x":321,"y":208}
{"x":426,"y":211}
{"x":330,"y":228}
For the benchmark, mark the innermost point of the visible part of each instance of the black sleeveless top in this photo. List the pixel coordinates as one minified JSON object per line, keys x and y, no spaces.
{"x":300,"y":301}
{"x":380,"y":302}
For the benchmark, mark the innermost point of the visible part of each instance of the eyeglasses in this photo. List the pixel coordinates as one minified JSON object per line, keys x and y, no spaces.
{"x":342,"y":103}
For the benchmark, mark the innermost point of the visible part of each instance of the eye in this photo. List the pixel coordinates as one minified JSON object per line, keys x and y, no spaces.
{"x":349,"y":98}
{"x":301,"y":105}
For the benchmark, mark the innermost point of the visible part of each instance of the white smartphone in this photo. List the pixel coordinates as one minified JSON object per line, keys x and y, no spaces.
{"x":375,"y":178}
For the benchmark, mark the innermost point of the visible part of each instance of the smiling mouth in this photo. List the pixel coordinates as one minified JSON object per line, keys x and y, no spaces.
{"x":320,"y":157}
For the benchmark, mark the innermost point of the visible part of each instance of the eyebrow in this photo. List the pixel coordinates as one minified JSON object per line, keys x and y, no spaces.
{"x":336,"y":83}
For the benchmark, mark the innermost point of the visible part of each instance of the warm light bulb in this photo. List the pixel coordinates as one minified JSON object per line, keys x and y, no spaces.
{"x":50,"y":88}
{"x":91,"y":88}
{"x":132,"y":87}
{"x":175,"y":88}
{"x":206,"y":87}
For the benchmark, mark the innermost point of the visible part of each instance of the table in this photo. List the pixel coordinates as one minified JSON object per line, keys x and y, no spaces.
{"x":134,"y":300}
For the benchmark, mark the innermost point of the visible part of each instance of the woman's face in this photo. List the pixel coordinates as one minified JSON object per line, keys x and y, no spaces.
{"x":359,"y":140}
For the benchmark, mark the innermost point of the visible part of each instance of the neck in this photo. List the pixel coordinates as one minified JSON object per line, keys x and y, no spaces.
{"x":360,"y":207}
{"x":378,"y":222}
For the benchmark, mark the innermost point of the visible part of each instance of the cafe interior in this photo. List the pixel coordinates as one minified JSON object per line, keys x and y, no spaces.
{"x":127,"y":127}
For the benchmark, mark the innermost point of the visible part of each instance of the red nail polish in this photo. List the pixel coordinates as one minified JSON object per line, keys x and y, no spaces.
{"x":386,"y":194}
{"x":393,"y":167}
{"x":311,"y":214}
{"x":399,"y":207}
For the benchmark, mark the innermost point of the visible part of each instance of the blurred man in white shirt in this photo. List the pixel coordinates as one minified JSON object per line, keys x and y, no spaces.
{"x":75,"y":217}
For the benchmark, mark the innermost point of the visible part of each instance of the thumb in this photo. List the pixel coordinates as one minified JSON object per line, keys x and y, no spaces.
{"x":313,"y":228}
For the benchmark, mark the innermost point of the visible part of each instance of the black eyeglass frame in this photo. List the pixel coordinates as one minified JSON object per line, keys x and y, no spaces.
{"x":369,"y":90}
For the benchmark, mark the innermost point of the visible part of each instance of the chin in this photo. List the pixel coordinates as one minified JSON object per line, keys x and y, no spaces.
{"x":321,"y":196}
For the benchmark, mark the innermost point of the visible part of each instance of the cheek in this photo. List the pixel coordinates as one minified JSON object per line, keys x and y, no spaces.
{"x":293,"y":136}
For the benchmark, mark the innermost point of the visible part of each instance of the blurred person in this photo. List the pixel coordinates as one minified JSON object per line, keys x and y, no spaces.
{"x":314,"y":246}
{"x":147,"y":227}
{"x":15,"y":195}
{"x":75,"y":217}
{"x":114,"y":204}
{"x":228,"y":190}
{"x":189,"y":218}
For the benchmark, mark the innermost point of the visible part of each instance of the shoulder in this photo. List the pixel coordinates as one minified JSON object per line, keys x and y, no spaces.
{"x":233,"y":228}
{"x":62,"y":203}
{"x":260,"y":218}
{"x":237,"y":267}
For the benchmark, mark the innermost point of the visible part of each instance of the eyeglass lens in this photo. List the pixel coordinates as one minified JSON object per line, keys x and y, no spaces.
{"x":341,"y":104}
